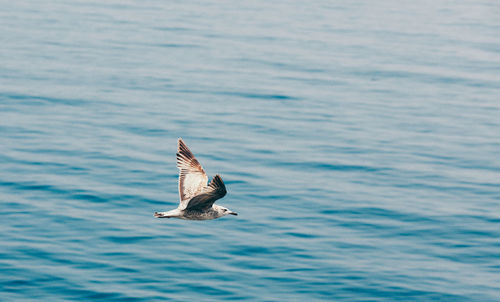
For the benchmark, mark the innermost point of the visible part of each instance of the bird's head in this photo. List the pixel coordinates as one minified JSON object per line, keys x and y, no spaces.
{"x":225,"y":211}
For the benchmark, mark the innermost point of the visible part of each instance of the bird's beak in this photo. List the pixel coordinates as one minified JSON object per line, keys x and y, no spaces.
{"x":233,"y":213}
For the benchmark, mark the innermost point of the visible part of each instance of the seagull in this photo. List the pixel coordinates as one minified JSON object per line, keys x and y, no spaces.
{"x":196,"y":197}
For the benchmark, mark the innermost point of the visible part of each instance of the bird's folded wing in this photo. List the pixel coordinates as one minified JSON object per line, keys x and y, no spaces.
{"x":215,"y":190}
{"x":192,"y":177}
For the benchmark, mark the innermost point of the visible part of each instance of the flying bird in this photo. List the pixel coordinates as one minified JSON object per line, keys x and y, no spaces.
{"x":196,"y":197}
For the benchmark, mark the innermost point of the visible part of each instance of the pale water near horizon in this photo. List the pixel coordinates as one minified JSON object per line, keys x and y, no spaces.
{"x":359,"y":143}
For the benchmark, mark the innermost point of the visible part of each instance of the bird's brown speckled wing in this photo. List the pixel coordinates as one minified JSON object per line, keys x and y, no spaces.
{"x":215,"y":190}
{"x":192,"y":177}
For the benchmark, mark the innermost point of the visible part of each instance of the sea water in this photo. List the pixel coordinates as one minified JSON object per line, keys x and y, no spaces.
{"x":359,"y":142}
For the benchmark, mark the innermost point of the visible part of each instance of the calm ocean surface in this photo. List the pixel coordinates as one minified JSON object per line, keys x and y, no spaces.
{"x":359,"y":142}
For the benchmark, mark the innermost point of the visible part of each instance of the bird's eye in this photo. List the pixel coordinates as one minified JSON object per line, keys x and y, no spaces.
{"x":225,"y":210}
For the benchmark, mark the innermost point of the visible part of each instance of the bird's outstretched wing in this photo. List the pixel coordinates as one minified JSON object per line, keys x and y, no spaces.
{"x":215,"y":190}
{"x":192,"y":177}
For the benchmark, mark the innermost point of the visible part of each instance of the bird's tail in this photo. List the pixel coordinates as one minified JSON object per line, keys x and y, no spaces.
{"x":162,"y":215}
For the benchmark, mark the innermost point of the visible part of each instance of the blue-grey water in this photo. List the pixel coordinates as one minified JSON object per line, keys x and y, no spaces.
{"x":359,"y":142}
